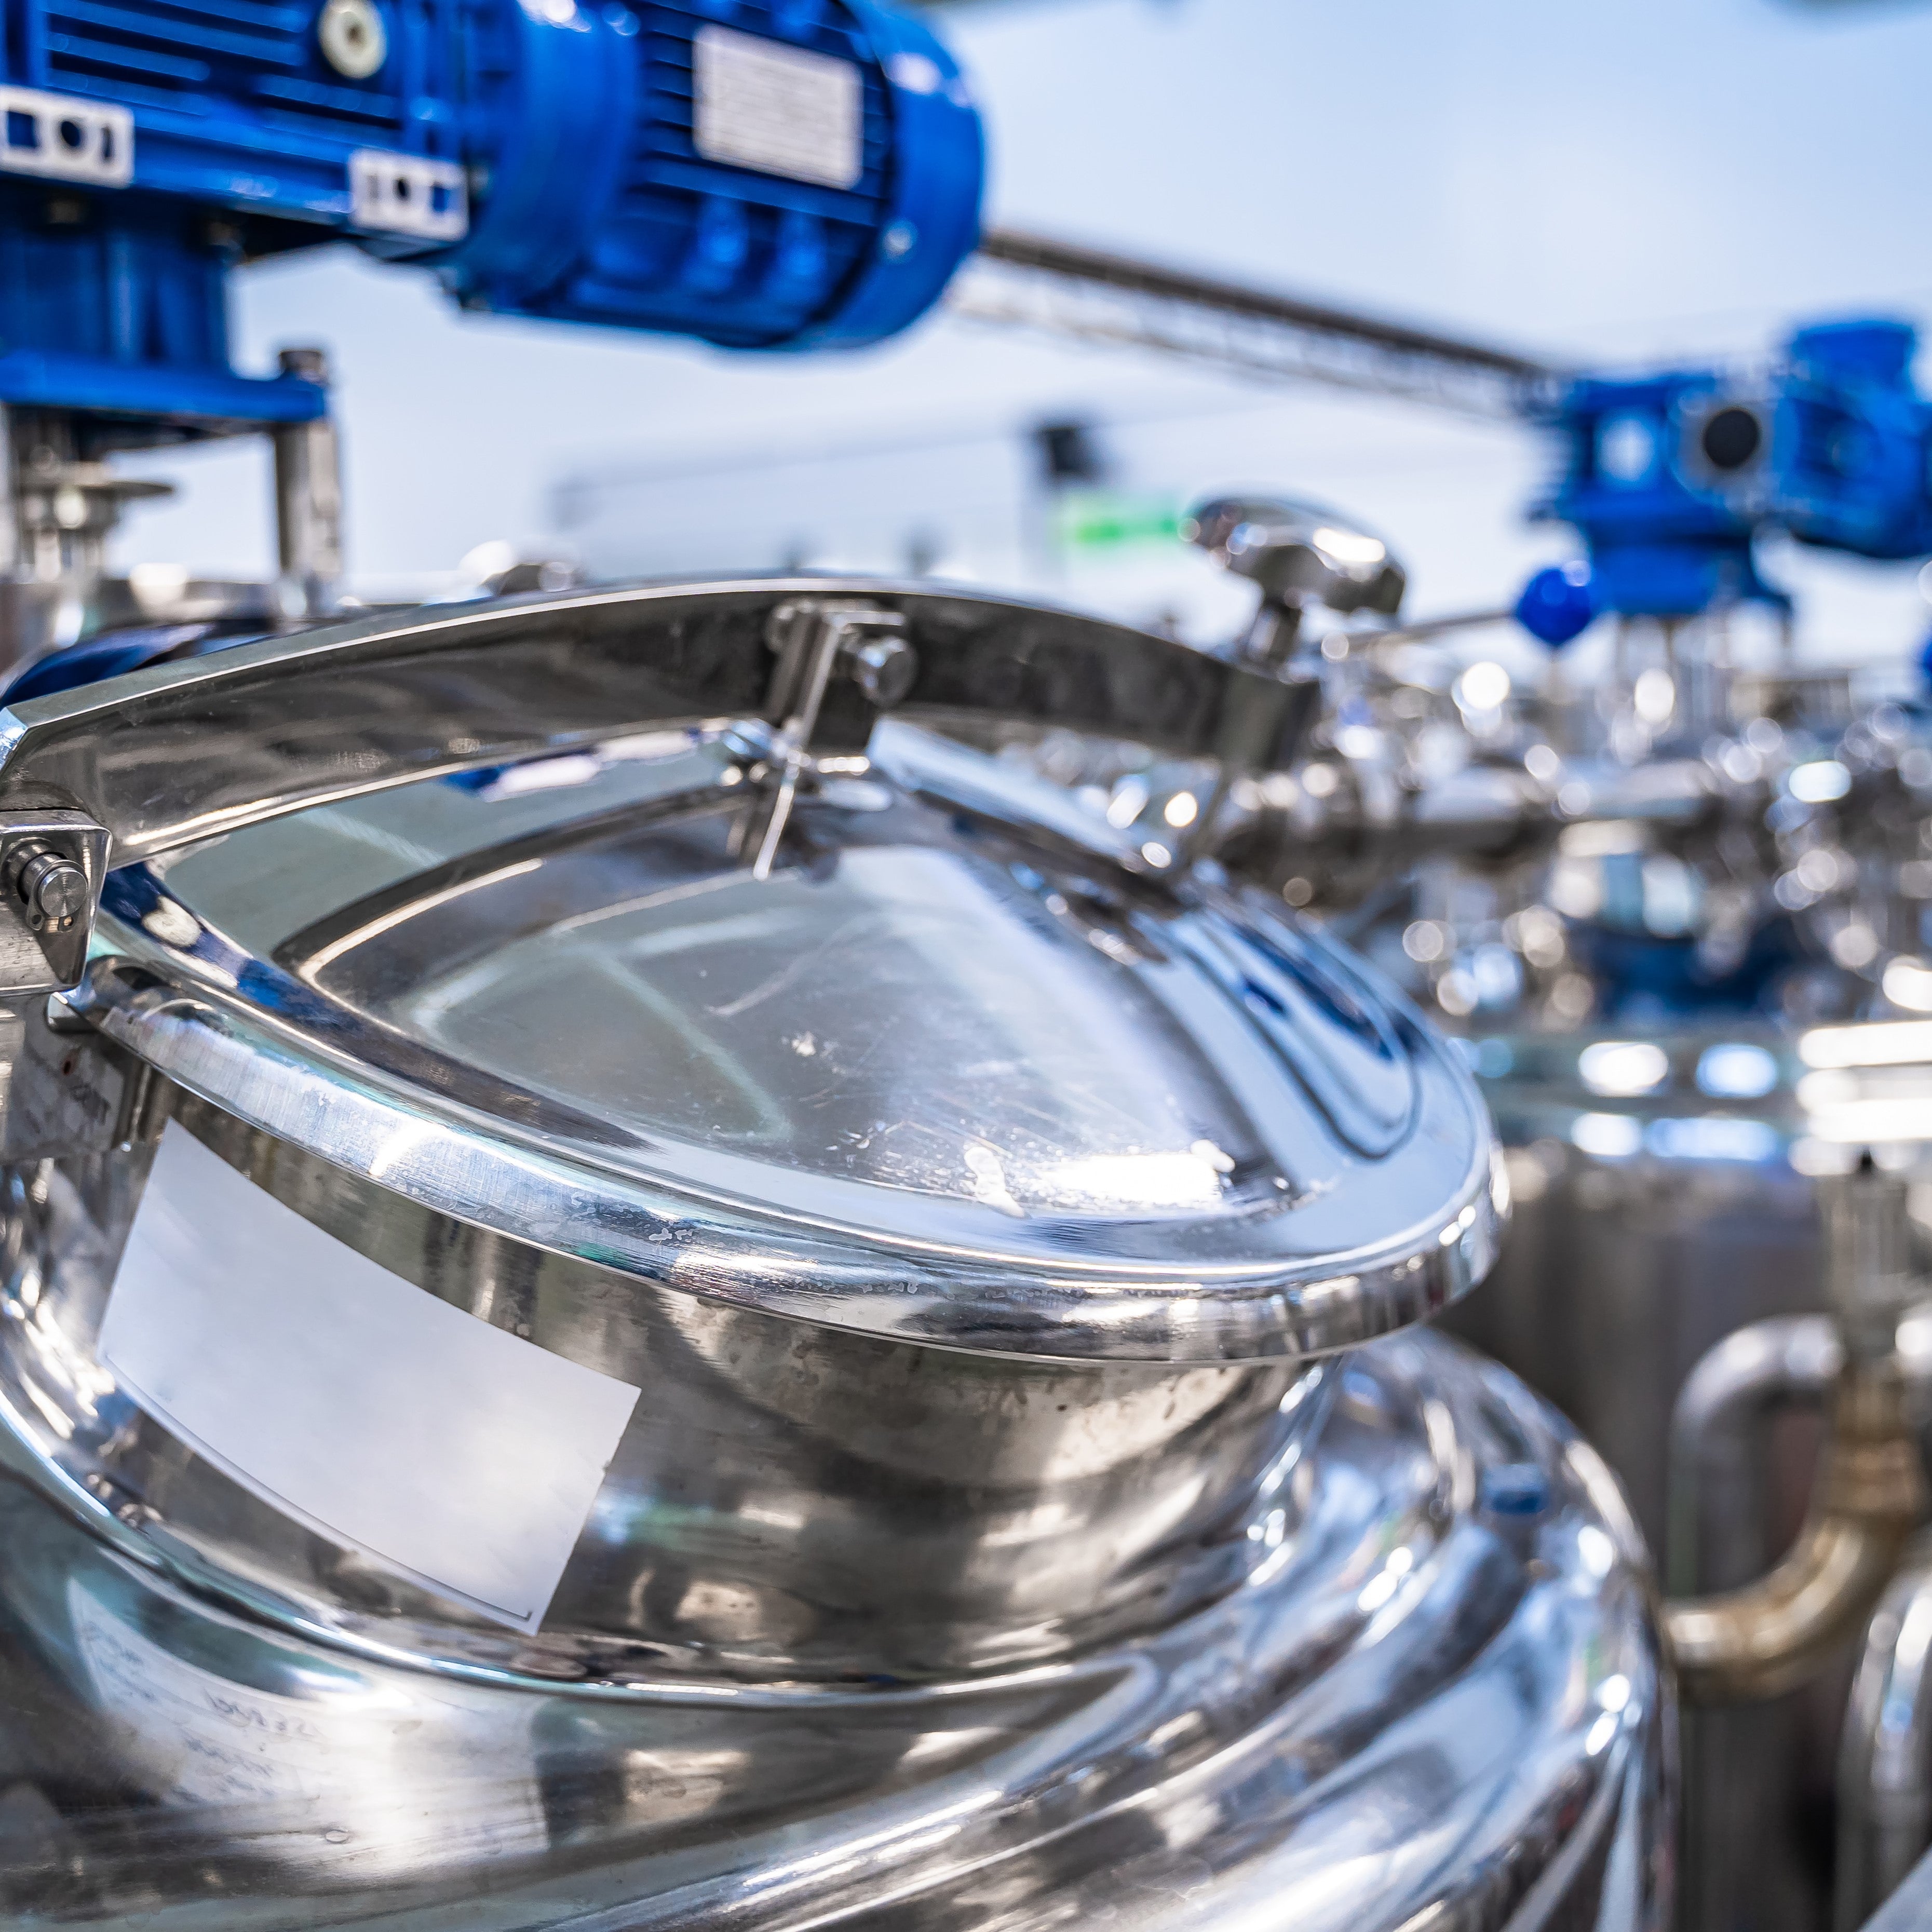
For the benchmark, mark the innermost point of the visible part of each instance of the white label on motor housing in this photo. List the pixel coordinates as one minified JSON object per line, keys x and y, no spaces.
{"x":408,"y":194}
{"x":68,"y":140}
{"x":777,"y":108}
{"x":389,"y":1421}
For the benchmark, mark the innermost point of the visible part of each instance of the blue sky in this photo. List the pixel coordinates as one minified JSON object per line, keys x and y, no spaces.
{"x":1645,"y":181}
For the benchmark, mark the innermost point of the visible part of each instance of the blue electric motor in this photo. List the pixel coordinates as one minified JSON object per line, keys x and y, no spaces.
{"x":1669,"y":477}
{"x":762,"y":174}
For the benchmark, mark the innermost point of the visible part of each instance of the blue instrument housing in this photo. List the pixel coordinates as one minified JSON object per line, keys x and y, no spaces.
{"x":1670,"y":477}
{"x":760,"y":174}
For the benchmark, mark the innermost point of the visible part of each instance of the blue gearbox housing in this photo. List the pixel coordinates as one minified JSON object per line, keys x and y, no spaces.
{"x":760,"y":174}
{"x":1670,"y":477}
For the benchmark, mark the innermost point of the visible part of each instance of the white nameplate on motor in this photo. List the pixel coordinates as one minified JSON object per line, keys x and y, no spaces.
{"x":394,"y":1424}
{"x":779,"y":109}
{"x":65,"y":139}
{"x":408,"y":194}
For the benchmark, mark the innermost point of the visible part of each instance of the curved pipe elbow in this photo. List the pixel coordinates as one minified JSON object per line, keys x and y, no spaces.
{"x":1772,"y":1634}
{"x":1769,"y":1636}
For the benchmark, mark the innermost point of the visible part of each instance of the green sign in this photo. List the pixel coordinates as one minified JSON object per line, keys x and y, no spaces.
{"x":1089,"y":521}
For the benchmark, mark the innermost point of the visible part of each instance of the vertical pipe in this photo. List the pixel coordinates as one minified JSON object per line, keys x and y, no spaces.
{"x":13,"y":549}
{"x":1718,"y":1536}
{"x":308,"y":501}
{"x":1885,"y":1759}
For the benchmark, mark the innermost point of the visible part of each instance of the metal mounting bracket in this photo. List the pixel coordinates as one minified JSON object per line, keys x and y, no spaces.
{"x":52,"y":866}
{"x":818,"y":640}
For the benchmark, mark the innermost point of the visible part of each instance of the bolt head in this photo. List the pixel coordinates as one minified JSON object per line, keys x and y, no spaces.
{"x":352,"y":37}
{"x":60,"y":892}
{"x":885,"y":670}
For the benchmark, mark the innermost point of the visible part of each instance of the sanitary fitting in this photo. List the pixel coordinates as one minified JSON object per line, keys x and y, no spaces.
{"x":1869,"y":1493}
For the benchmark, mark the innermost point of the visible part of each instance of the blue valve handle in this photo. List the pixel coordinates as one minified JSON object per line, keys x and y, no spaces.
{"x":1558,"y":604}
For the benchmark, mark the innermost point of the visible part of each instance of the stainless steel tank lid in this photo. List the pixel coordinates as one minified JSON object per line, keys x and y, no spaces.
{"x":936,"y":1060}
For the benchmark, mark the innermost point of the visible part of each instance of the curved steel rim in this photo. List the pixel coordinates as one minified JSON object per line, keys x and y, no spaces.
{"x":433,"y":1151}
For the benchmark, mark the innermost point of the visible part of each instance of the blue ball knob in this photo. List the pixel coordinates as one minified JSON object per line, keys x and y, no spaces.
{"x":1557,"y":604}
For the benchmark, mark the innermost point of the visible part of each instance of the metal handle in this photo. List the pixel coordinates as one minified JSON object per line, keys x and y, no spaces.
{"x":1299,"y":554}
{"x":121,"y":771}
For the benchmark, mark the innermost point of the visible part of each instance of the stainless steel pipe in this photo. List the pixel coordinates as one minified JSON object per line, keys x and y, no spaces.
{"x":1769,"y":1636}
{"x":1885,"y":1759}
{"x":1717,"y":1533}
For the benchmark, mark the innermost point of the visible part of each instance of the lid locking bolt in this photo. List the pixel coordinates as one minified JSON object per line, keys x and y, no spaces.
{"x":883,"y":667}
{"x":52,"y":887}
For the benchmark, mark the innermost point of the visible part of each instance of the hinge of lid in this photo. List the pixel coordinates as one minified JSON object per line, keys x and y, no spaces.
{"x":52,"y":865}
{"x":824,"y":645}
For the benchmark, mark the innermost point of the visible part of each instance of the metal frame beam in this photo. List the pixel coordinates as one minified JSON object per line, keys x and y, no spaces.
{"x":1029,"y":281}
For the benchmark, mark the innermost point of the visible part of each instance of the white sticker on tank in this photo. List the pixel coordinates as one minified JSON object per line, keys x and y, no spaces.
{"x":388,"y":1420}
{"x":779,"y":109}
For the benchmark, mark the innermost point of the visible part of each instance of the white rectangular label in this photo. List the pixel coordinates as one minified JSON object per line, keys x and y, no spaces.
{"x":776,"y":108}
{"x":388,"y":1420}
{"x":408,"y":194}
{"x":65,"y":139}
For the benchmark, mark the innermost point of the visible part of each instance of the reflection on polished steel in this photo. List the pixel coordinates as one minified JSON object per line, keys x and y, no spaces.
{"x":1299,"y":555}
{"x":183,"y":752}
{"x":1435,"y":1693}
{"x":787,"y":1501}
{"x":1680,"y":908}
